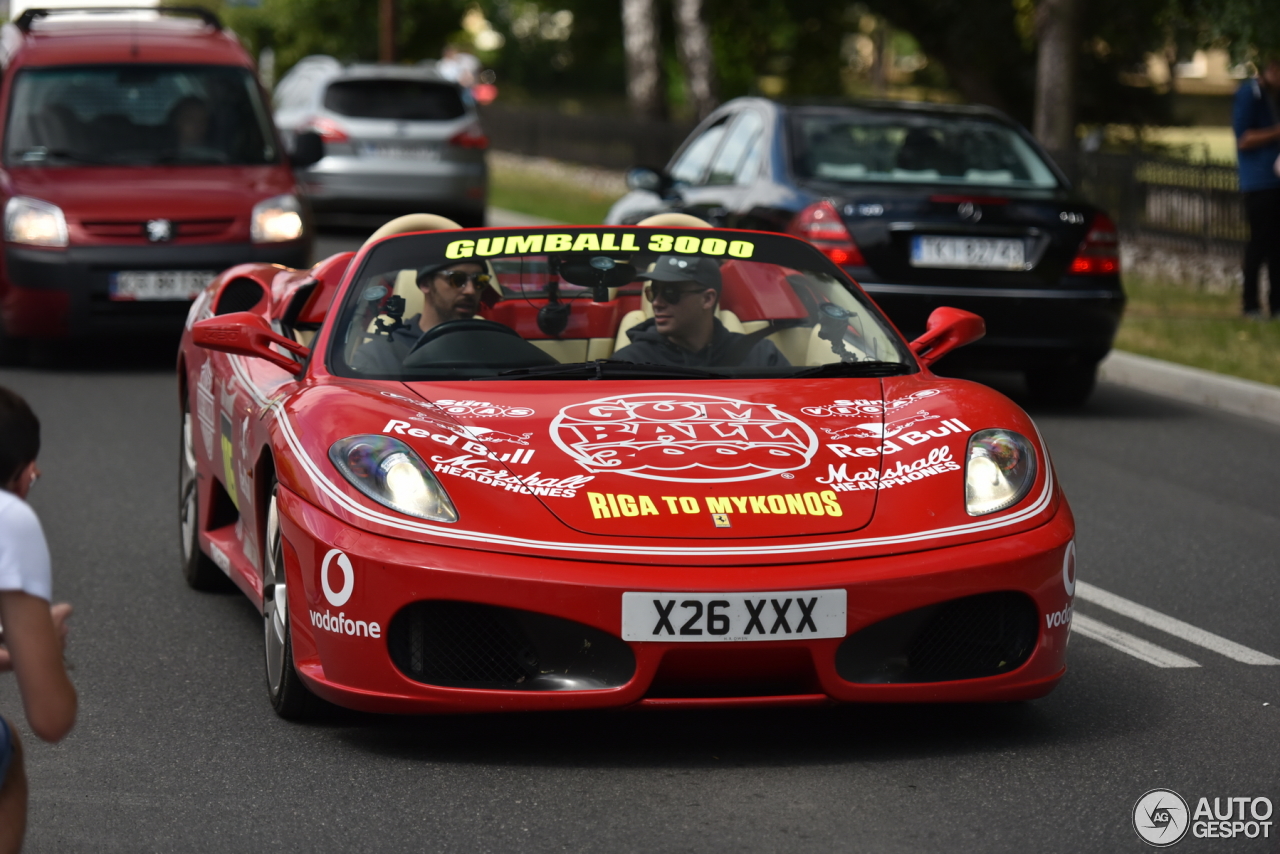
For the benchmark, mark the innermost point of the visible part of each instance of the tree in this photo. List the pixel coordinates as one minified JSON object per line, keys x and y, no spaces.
{"x":695,"y":52}
{"x":640,"y":41}
{"x":1057,"y":24}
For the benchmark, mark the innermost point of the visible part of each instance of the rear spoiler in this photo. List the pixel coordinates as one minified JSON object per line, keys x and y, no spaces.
{"x":30,"y":16}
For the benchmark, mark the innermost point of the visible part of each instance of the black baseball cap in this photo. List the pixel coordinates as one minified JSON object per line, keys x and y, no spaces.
{"x":677,"y":268}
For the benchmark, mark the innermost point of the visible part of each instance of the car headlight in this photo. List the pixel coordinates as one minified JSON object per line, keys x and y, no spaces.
{"x":276,"y":219}
{"x":392,"y":474}
{"x":999,"y":472}
{"x":37,"y":223}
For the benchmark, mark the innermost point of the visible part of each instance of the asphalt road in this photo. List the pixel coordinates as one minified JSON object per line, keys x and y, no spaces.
{"x":177,"y":748}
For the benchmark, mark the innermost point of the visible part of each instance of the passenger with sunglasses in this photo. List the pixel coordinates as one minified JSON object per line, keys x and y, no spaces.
{"x":684,"y":330}
{"x":450,"y":292}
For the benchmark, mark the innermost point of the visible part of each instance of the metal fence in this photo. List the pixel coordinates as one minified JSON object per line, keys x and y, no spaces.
{"x":611,"y":142}
{"x":1189,"y":206}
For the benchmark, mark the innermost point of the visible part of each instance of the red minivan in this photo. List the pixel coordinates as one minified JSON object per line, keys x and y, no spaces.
{"x":139,"y":160}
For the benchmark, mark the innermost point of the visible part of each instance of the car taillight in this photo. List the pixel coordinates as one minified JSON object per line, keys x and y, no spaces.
{"x":821,"y":225}
{"x":471,"y":137}
{"x":1099,"y":254}
{"x":329,"y":130}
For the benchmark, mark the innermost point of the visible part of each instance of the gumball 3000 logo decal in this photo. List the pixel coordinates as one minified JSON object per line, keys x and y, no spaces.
{"x":687,"y":438}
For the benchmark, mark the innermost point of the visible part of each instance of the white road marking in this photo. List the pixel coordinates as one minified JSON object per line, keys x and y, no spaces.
{"x":1086,"y":592}
{"x":1125,"y":642}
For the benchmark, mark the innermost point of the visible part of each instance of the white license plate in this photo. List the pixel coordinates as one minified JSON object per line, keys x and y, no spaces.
{"x":159,"y":284}
{"x":703,"y":617}
{"x":968,"y":253}
{"x":400,"y":152}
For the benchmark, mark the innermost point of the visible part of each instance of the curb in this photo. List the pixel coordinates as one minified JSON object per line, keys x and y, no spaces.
{"x":1192,"y":385}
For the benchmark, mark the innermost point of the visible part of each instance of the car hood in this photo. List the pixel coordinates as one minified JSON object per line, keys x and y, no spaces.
{"x":172,"y":192}
{"x":862,"y":467}
{"x":697,"y":462}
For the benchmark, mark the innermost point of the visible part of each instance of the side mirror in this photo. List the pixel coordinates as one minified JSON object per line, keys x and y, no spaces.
{"x":308,"y":148}
{"x":947,"y":329}
{"x":649,"y":180}
{"x":246,"y":334}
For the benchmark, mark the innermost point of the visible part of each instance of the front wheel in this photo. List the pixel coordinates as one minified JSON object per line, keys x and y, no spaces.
{"x":289,"y":696}
{"x":1065,"y":385}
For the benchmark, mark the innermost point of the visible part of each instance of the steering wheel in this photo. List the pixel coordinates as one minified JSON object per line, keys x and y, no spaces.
{"x":468,"y":324}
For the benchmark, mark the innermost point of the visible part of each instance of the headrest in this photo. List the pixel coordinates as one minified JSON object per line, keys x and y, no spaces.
{"x":673,"y":220}
{"x":413,"y":222}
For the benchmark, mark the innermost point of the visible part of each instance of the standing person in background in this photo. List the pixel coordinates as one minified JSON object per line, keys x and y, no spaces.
{"x":459,"y":66}
{"x":33,"y":634}
{"x":1256,"y":121}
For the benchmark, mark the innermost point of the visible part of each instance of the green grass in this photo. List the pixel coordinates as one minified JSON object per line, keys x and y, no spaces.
{"x":1203,"y":330}
{"x":529,"y":192}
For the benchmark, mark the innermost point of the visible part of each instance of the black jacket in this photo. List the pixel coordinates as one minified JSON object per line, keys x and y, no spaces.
{"x":648,"y":346}
{"x":384,"y":354}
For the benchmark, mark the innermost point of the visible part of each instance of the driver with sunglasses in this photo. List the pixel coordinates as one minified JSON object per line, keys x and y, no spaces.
{"x":684,"y":330}
{"x":450,"y":292}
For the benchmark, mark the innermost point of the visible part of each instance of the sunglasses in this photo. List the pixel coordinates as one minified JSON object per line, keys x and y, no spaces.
{"x":671,"y":292}
{"x":459,"y":279}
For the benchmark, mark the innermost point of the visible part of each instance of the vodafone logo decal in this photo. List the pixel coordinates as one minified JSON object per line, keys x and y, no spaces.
{"x":337,"y":598}
{"x":683,"y":438}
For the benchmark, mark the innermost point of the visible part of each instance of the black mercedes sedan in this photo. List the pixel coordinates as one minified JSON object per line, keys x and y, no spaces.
{"x":923,"y":205}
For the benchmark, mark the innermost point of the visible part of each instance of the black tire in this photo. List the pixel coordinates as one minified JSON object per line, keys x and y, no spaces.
{"x":1064,"y":385}
{"x":291,"y":699}
{"x":200,"y":572}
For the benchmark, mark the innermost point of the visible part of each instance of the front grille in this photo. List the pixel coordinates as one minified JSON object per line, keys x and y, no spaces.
{"x":135,"y":231}
{"x":459,"y":642}
{"x":465,"y":644}
{"x":969,"y":638}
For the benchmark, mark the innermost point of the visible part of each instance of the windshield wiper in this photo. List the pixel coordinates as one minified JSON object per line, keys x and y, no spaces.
{"x":39,"y":154}
{"x":855,"y":369}
{"x":605,"y":369}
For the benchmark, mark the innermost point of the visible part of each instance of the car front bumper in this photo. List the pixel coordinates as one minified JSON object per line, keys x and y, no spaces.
{"x":1026,"y":327}
{"x":54,"y":293}
{"x":351,"y":654}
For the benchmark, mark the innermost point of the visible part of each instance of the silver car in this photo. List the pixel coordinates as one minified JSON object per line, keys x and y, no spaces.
{"x":397,"y":140}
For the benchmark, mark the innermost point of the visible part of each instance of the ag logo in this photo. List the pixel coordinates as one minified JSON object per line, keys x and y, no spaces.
{"x":683,"y":438}
{"x":1160,"y":817}
{"x":337,"y":598}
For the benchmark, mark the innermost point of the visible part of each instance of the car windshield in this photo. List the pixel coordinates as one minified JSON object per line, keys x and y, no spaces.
{"x":406,"y":100}
{"x":138,"y":115}
{"x":861,"y":147}
{"x":607,"y":303}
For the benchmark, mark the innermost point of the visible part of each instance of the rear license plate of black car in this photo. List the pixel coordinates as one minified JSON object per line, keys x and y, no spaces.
{"x":968,"y":253}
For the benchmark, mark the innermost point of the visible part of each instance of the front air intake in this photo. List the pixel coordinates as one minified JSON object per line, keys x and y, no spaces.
{"x":469,"y":645}
{"x":969,"y":638}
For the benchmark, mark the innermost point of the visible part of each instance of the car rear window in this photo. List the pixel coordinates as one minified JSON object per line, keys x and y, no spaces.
{"x":409,"y":100}
{"x":859,"y":147}
{"x":137,"y":115}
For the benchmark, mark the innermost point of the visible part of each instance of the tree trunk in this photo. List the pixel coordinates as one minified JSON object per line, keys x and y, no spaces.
{"x":387,"y":31}
{"x":695,"y":53}
{"x":1058,"y":37}
{"x":640,"y":41}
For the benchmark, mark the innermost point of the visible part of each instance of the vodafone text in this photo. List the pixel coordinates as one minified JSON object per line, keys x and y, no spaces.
{"x":1058,"y":618}
{"x":342,"y":625}
{"x":1232,"y":817}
